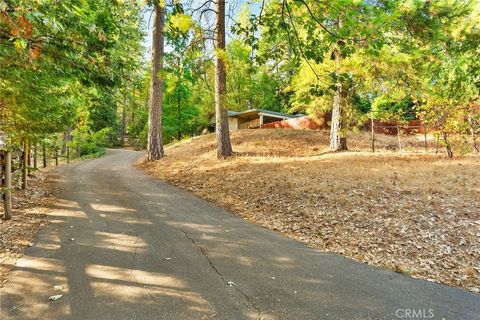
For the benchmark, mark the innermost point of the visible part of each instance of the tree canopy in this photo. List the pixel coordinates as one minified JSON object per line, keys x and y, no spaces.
{"x":75,"y":69}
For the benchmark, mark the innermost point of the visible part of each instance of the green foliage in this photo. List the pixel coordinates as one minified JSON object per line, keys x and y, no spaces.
{"x":402,"y":110}
{"x":93,"y":143}
{"x":75,"y":68}
{"x":62,"y":64}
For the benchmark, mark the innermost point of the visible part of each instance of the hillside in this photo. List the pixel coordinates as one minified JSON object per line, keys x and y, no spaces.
{"x":415,"y":213}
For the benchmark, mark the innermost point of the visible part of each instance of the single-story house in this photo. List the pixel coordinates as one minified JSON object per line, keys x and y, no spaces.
{"x":256,"y":118}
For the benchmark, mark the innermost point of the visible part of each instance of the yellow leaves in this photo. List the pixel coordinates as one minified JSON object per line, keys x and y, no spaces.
{"x":20,"y":43}
{"x":221,"y":54}
{"x":181,"y":22}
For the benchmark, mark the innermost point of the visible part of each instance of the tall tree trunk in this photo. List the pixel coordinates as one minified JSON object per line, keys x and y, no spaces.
{"x":154,"y":143}
{"x":338,"y":140}
{"x":224,"y":147}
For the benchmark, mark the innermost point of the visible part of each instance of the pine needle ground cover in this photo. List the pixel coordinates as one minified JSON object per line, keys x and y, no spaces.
{"x":30,"y":208}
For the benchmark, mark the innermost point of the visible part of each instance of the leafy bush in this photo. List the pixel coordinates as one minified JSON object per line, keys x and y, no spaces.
{"x":91,"y":143}
{"x":386,"y":109}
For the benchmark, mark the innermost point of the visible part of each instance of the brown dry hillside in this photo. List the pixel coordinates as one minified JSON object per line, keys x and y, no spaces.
{"x":415,"y":213}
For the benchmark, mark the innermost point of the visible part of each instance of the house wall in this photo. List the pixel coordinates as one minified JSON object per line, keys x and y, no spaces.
{"x":232,"y":123}
{"x":299,"y":123}
{"x":249,"y":124}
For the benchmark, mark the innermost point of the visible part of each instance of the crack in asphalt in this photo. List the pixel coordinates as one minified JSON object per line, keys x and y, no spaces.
{"x":214,"y":268}
{"x":134,"y":260}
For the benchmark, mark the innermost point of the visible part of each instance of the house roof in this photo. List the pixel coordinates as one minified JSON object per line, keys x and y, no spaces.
{"x":252,"y":112}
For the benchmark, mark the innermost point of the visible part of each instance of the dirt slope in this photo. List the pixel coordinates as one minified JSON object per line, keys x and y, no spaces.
{"x":415,"y":213}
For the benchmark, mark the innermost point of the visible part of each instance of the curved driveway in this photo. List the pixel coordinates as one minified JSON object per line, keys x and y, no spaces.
{"x":122,"y":245}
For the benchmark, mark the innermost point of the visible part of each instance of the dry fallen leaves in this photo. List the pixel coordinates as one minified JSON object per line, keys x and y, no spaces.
{"x":29,"y":214}
{"x":418,"y":214}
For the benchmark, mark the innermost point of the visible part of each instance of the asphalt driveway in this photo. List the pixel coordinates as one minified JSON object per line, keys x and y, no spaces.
{"x":122,"y":245}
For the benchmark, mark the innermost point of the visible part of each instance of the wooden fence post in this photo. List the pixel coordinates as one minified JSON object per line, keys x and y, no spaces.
{"x":79,"y":137}
{"x":44,"y":156}
{"x":8,"y":185}
{"x":25,"y":164}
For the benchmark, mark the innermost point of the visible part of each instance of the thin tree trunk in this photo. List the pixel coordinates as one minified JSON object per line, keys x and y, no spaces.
{"x":447,"y":145}
{"x":56,"y":156}
{"x":474,"y":143}
{"x":25,"y":164}
{"x":29,"y":157}
{"x":224,"y":146}
{"x":35,"y":157}
{"x":338,"y":140}
{"x":155,"y":105}
{"x":44,"y":156}
{"x":473,"y":133}
{"x":7,"y":196}
{"x":68,"y":154}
